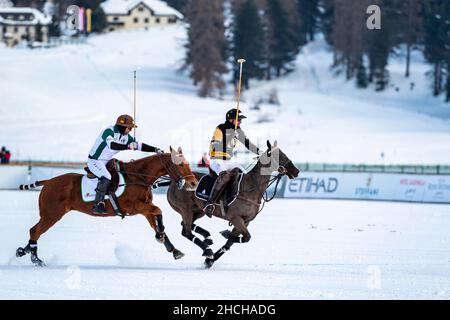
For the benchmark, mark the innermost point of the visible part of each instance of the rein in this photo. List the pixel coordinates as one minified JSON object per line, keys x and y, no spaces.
{"x":172,"y":171}
{"x":264,"y":194}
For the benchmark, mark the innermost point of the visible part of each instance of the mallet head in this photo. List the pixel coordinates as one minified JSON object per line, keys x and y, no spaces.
{"x":241,"y":60}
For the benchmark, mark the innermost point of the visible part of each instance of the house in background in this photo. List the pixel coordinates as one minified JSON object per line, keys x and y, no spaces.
{"x":138,"y":14}
{"x":18,"y":24}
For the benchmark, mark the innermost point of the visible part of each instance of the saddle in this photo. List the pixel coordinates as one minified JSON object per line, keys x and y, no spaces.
{"x":113,"y":167}
{"x":229,"y":193}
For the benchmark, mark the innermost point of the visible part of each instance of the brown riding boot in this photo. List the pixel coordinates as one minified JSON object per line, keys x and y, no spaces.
{"x":219,"y":185}
{"x":234,"y":182}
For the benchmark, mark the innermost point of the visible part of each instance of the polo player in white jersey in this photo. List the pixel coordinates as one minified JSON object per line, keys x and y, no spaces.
{"x":111,"y":141}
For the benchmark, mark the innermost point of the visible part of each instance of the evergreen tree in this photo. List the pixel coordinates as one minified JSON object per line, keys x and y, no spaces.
{"x":206,"y":47}
{"x":248,"y":42}
{"x":326,"y":19}
{"x":361,"y":75}
{"x":39,"y":34}
{"x":49,"y":9}
{"x":349,"y":35}
{"x":380,"y":43}
{"x":410,"y":27}
{"x":282,"y":44}
{"x":308,"y":12}
{"x":436,"y":39}
{"x":180,"y":5}
{"x":99,"y":23}
{"x":378,"y":53}
{"x":447,"y":87}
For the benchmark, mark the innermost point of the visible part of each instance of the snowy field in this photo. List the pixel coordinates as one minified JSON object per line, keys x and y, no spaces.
{"x":64,"y":96}
{"x":300,"y":249}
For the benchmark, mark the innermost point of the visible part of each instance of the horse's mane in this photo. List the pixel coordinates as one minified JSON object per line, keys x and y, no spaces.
{"x":149,"y":158}
{"x":259,"y":164}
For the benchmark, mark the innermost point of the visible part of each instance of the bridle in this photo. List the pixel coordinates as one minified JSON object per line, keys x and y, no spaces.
{"x":172,"y":170}
{"x":174,"y":173}
{"x":282,"y":171}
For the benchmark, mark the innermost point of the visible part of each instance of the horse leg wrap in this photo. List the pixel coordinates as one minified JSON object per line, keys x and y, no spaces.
{"x":201,"y":231}
{"x":169,"y":246}
{"x":32,"y":245}
{"x":199,"y":242}
{"x":220,"y":252}
{"x":159,"y":224}
{"x":195,"y":240}
{"x":204,"y":233}
{"x":160,"y":235}
{"x":224,"y":249}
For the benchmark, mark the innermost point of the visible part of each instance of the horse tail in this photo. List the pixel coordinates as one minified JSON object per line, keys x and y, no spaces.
{"x":33,"y":185}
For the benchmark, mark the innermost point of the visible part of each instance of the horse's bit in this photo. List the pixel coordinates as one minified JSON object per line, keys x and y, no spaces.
{"x":175,"y":174}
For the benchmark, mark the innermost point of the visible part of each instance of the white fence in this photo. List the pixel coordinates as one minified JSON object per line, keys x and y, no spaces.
{"x":13,"y":176}
{"x":309,"y":185}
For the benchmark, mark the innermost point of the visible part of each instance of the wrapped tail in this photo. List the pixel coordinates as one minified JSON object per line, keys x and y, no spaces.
{"x":33,"y":185}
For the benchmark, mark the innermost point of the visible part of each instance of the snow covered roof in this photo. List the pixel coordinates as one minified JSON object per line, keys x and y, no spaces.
{"x":160,"y":8}
{"x":31,"y":16}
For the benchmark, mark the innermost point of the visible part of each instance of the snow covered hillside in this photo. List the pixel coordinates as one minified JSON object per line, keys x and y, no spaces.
{"x":54,"y":102}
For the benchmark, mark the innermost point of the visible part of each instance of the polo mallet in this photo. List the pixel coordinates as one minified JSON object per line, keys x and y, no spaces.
{"x":241,"y":62}
{"x":134,"y":106}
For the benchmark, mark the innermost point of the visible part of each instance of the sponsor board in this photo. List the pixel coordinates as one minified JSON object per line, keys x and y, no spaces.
{"x":369,"y":186}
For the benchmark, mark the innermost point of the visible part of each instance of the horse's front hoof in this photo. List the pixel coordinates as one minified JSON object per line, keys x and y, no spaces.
{"x":20,"y":252}
{"x":37,"y":262}
{"x":226,"y":233}
{"x":208,"y":263}
{"x":177,"y":254}
{"x":208,"y":253}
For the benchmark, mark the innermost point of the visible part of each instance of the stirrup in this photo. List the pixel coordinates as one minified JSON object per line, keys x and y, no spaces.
{"x":99,"y":207}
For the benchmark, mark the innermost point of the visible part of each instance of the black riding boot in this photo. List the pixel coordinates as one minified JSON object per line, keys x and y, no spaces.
{"x":102,"y":188}
{"x":219,"y":185}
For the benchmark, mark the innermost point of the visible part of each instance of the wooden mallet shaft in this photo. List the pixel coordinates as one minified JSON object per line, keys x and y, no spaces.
{"x":241,"y":62}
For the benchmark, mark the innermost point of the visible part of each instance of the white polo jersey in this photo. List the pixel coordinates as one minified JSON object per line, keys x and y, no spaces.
{"x":102,"y":146}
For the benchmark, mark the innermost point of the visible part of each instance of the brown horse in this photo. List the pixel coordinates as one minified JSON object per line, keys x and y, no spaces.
{"x":243,"y":210}
{"x":62,"y":194}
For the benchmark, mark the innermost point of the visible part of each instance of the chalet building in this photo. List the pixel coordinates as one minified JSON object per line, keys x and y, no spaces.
{"x":18,"y":24}
{"x":138,"y":14}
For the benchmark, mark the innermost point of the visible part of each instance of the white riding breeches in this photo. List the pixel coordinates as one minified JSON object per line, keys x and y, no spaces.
{"x":98,"y":168}
{"x":219,"y":165}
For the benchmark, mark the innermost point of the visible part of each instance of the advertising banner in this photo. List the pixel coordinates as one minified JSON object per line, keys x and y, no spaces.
{"x":369,"y":186}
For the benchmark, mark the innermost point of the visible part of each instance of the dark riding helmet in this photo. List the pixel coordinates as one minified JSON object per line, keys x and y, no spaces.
{"x":231,"y":114}
{"x":126,"y":121}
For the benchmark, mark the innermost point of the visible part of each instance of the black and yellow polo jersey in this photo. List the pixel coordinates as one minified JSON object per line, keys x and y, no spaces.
{"x":221,"y":146}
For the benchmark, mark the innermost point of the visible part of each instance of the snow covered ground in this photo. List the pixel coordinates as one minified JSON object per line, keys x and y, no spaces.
{"x":54,"y":102}
{"x":300,"y":249}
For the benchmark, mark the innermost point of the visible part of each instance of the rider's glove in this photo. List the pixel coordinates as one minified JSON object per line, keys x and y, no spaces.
{"x":158,"y":150}
{"x":232,"y":143}
{"x":133,"y":146}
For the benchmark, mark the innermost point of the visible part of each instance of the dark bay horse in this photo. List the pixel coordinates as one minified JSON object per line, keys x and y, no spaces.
{"x":243,"y":210}
{"x":62,"y":194}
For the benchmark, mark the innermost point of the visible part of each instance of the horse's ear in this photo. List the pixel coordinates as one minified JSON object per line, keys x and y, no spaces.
{"x":170,"y":148}
{"x":180,"y":151}
{"x":269,"y":145}
{"x":275,"y":143}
